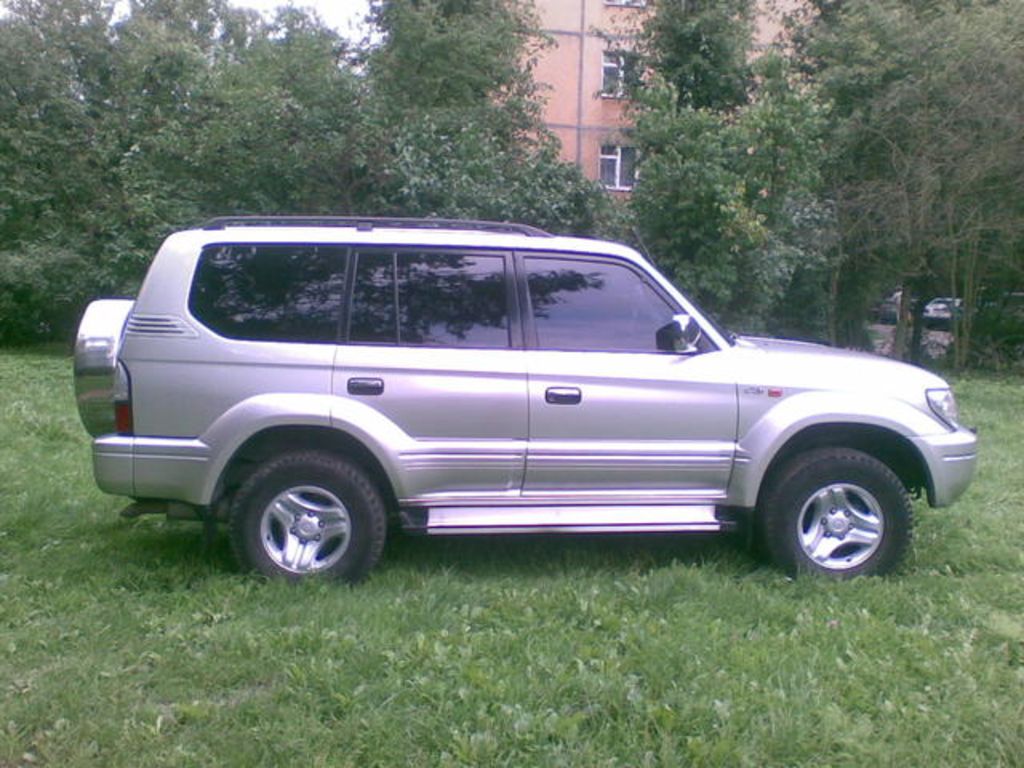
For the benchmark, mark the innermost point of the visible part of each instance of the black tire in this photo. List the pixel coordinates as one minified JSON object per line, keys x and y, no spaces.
{"x":308,"y":514}
{"x":837,"y":512}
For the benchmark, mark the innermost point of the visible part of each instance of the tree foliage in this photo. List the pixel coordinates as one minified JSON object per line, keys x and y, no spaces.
{"x":788,"y":191}
{"x":452,"y":82}
{"x":728,"y":198}
{"x":116,"y":130}
{"x":793,"y":190}
{"x":701,"y":48}
{"x":928,"y":155}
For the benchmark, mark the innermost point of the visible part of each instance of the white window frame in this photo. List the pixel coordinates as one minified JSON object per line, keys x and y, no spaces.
{"x":616,"y":89}
{"x":616,"y":157}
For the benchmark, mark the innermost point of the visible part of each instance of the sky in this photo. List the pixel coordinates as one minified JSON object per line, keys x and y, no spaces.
{"x":346,"y":16}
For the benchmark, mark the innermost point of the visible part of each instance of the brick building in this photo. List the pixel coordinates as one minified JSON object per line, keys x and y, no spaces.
{"x":585,"y":73}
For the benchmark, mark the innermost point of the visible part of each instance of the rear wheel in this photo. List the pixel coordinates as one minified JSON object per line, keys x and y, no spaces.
{"x":308,"y":514}
{"x":838,"y":512}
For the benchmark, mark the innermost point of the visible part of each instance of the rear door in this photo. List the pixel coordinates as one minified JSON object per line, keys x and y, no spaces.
{"x":611,"y":416}
{"x":429,"y":344}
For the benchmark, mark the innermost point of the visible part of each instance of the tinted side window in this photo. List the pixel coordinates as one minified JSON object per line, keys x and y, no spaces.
{"x":594,"y":306}
{"x":270,"y":292}
{"x":374,"y":314}
{"x":430,"y":299}
{"x":452,"y":300}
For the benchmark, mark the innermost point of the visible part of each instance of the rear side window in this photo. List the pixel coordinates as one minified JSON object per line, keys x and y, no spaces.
{"x":270,"y":292}
{"x":430,"y":299}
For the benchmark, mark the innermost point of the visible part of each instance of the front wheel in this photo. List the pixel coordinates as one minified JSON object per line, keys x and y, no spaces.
{"x":306,"y":514}
{"x":836,"y":511}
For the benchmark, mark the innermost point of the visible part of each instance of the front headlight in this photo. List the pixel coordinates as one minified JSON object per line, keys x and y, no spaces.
{"x":943,"y":404}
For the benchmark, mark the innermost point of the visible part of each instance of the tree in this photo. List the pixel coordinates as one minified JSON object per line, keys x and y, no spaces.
{"x":453,"y":93}
{"x":285,"y":127}
{"x":928,"y":150}
{"x":727,"y":197}
{"x":701,"y":48}
{"x":55,"y":85}
{"x":116,"y":133}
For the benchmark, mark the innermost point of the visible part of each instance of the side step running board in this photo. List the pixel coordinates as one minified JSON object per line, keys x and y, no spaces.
{"x":653,"y":518}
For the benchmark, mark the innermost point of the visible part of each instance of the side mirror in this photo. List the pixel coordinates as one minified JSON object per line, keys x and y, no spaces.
{"x":680,"y":336}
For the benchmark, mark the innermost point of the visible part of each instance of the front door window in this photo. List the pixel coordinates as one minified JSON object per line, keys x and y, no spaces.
{"x":594,"y":306}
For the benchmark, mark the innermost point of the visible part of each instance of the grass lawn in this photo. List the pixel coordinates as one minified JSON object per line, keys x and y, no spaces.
{"x":124,"y":643}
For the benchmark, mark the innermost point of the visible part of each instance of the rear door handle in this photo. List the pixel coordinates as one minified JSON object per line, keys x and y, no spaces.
{"x":366,"y":386}
{"x":563,"y":396}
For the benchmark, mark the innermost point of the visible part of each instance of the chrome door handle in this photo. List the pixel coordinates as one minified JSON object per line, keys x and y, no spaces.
{"x":563,"y":396}
{"x":366,"y":386}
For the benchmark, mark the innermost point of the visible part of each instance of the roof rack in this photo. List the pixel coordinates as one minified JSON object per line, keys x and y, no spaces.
{"x":370,"y":223}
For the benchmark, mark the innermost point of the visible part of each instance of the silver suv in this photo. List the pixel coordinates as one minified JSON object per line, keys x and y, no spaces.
{"x":306,"y":379}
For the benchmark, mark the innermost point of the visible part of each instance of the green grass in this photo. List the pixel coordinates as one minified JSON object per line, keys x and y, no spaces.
{"x":124,"y":643}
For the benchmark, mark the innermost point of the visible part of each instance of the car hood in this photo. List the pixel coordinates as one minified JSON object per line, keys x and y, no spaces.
{"x":806,"y":366}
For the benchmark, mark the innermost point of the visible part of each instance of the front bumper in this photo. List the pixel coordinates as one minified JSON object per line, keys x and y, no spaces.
{"x":152,"y":468}
{"x":951,"y":458}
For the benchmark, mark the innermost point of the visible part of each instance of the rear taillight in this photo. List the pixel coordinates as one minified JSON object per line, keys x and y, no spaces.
{"x":123,"y":422}
{"x":123,"y":419}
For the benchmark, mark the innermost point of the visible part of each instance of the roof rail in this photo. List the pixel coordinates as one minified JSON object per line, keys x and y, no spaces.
{"x":370,"y":223}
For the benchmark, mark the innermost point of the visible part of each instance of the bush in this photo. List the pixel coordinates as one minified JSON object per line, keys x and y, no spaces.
{"x":43,"y":290}
{"x":998,"y":334}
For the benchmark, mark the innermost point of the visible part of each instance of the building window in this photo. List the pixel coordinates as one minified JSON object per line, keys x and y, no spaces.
{"x":619,"y":70}
{"x":618,"y":167}
{"x":627,"y":3}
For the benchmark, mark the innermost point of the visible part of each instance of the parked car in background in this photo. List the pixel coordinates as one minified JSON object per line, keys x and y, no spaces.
{"x":939,"y":313}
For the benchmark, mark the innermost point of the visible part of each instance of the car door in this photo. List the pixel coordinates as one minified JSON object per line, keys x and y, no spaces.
{"x":429,"y":344}
{"x":611,"y":416}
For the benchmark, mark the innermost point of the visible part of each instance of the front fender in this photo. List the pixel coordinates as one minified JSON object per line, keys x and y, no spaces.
{"x":772,"y":429}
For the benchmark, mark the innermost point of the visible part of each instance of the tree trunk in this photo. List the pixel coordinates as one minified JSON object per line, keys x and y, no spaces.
{"x":833,"y":302}
{"x":899,"y":342}
{"x":917,"y":336}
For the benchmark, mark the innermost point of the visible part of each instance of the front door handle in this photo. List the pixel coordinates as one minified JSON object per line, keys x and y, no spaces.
{"x":563,"y":396}
{"x":366,"y":386}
